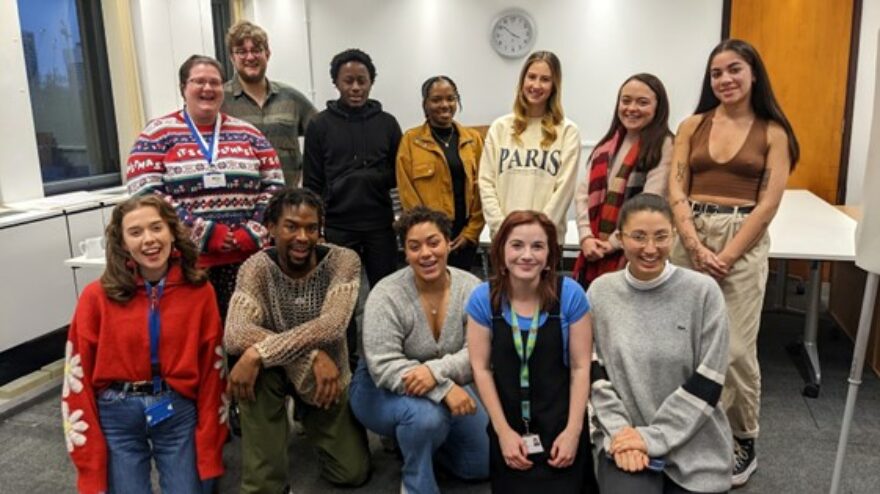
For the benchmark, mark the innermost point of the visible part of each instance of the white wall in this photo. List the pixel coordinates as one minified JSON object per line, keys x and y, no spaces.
{"x":167,"y":32}
{"x":863,"y":104}
{"x":20,"y":167}
{"x":600,"y":43}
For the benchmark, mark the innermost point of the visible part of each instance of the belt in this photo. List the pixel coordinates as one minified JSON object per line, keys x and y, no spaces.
{"x":709,"y":208}
{"x":138,"y":388}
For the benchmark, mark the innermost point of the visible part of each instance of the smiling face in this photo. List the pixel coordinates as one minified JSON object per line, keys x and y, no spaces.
{"x":731,"y":77}
{"x":296,"y":236}
{"x":203,"y":93}
{"x":148,"y":240}
{"x":525,"y":252}
{"x":537,"y":86}
{"x":441,"y":104}
{"x":353,"y":84}
{"x":426,"y":250}
{"x":636,"y":106}
{"x":646,"y":238}
{"x":250,"y":61}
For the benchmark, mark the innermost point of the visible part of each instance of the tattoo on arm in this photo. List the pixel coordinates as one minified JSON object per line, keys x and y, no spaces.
{"x":680,"y":170}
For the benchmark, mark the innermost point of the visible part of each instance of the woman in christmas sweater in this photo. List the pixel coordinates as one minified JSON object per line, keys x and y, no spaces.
{"x":217,"y":171}
{"x":143,"y":373}
{"x":530,"y":157}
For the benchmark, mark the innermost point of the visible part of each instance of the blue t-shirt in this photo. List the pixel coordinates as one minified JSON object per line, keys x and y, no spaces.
{"x":573,"y":306}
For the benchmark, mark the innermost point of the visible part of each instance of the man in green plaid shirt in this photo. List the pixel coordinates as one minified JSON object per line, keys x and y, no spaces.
{"x":278,"y":110}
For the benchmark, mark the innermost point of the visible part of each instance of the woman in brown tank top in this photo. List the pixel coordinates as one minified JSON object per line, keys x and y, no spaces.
{"x":731,"y":161}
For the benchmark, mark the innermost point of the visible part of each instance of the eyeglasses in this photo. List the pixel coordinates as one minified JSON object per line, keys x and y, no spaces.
{"x":661,"y":239}
{"x":242,"y":53}
{"x":213,"y":83}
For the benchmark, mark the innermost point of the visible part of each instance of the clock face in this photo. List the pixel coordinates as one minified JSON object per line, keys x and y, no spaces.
{"x":513,"y":34}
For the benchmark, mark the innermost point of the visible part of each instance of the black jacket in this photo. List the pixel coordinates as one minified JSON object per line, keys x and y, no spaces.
{"x":349,"y":161}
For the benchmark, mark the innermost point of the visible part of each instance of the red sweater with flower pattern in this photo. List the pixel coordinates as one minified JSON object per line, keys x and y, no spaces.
{"x":166,"y":159}
{"x":109,"y":341}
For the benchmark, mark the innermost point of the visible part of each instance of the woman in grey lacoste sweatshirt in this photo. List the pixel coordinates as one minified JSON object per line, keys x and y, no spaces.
{"x":660,"y":358}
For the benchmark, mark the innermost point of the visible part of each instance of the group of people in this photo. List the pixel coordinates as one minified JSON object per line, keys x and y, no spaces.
{"x":638,"y":374}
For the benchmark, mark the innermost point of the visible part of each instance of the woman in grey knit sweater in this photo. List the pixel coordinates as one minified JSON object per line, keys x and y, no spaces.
{"x":659,"y":363}
{"x":412,"y":382}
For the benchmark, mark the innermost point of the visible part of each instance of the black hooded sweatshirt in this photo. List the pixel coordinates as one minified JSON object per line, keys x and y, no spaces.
{"x":349,"y":161}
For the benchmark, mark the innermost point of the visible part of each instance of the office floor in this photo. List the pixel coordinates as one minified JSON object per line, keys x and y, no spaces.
{"x":795,"y":452}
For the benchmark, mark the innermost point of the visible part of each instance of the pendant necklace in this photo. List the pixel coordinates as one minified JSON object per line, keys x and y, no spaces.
{"x":445,"y":143}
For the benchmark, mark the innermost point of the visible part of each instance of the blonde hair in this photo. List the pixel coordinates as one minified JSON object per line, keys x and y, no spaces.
{"x":553,"y":115}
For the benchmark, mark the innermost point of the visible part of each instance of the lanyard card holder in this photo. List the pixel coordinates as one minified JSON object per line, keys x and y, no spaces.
{"x":159,"y":412}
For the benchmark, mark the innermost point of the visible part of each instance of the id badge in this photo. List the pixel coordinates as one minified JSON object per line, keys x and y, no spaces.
{"x":533,"y":444}
{"x":159,"y":412}
{"x":214,"y":180}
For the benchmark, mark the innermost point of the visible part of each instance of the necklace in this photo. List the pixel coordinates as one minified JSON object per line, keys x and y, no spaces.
{"x":433,"y":308}
{"x":445,"y":143}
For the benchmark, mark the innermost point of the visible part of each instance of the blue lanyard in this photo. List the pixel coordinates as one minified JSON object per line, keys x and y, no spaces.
{"x":210,"y":154}
{"x":524,"y":355}
{"x":154,"y":293}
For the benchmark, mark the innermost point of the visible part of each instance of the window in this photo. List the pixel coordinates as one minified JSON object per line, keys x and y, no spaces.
{"x":71,"y":99}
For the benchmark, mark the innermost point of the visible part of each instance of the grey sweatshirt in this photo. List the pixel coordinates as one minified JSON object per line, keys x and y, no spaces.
{"x":659,"y":365}
{"x":396,"y":336}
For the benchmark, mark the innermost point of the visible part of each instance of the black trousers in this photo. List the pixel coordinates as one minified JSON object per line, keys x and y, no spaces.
{"x":376,"y":248}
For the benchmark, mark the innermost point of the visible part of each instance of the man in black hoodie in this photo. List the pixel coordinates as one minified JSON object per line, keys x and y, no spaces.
{"x":350,"y":150}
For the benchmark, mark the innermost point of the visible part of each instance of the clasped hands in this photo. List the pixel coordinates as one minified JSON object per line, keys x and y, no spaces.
{"x":419,"y":380}
{"x":629,"y":450}
{"x":715,"y":265}
{"x":594,"y":248}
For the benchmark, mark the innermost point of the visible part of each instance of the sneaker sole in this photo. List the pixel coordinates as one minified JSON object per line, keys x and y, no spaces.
{"x":740,"y":480}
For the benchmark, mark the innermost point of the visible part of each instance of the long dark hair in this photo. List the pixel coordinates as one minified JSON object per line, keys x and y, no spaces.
{"x":763,"y":100}
{"x":120,"y":276}
{"x":499,"y":281}
{"x":655,"y":133}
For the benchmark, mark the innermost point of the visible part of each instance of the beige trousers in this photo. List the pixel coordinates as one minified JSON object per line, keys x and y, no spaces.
{"x":743,"y":292}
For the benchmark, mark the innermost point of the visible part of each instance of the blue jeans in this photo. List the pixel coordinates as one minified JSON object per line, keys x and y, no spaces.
{"x":424,"y":430}
{"x":131,"y":443}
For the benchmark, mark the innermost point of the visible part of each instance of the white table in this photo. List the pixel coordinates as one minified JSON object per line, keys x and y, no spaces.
{"x":808,"y":228}
{"x":805,"y":227}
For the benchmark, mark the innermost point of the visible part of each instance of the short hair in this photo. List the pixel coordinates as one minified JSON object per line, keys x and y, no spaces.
{"x":352,"y":55}
{"x":242,"y":31}
{"x":292,"y":197}
{"x":192,"y":61}
{"x":429,"y":83}
{"x":643,"y":202}
{"x":419,"y":215}
{"x":120,"y":274}
{"x":499,"y":281}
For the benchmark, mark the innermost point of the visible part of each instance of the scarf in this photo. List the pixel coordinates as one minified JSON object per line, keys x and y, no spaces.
{"x":604,"y":201}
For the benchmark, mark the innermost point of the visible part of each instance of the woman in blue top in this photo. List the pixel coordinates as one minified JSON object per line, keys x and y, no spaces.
{"x":538,"y":438}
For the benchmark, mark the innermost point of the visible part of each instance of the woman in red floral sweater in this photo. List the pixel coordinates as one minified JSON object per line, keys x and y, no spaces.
{"x":143,"y":375}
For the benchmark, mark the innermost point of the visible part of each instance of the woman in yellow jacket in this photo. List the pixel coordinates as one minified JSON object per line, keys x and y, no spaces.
{"x":437,"y":168}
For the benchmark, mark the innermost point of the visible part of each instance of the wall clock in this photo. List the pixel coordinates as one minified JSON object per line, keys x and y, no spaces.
{"x":513,"y":33}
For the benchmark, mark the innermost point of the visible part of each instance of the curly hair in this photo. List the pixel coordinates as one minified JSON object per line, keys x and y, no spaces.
{"x":352,"y":55}
{"x":245,"y":30}
{"x":499,"y":281}
{"x":554,"y":114}
{"x":120,"y":276}
{"x":419,"y":215}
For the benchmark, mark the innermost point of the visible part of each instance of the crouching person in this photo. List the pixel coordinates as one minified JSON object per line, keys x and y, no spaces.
{"x":287,"y":320}
{"x":413,"y":380}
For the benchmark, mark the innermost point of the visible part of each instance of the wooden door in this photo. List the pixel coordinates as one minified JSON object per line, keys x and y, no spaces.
{"x":805,"y":45}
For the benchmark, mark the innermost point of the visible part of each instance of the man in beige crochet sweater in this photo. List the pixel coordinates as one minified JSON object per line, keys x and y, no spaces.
{"x":287,"y":320}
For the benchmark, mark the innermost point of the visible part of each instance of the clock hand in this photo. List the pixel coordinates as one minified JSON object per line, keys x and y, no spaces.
{"x":511,"y":32}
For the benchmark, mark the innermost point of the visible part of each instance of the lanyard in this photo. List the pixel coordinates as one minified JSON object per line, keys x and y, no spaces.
{"x":154,"y":293}
{"x":524,"y":355}
{"x":210,"y":154}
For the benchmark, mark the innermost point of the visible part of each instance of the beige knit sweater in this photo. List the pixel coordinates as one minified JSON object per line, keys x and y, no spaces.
{"x":287,"y":320}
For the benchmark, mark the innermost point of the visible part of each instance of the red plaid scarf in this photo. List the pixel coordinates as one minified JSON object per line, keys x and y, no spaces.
{"x":604,"y":201}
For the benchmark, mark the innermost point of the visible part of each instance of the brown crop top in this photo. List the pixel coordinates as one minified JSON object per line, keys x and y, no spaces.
{"x":739,"y":178}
